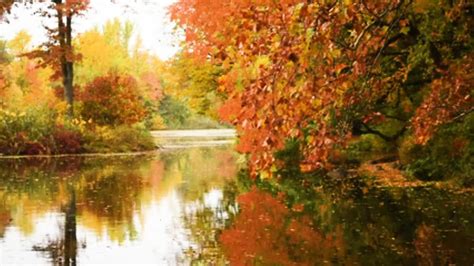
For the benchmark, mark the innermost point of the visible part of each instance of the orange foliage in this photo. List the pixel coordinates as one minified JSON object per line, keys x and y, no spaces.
{"x":294,"y":91}
{"x":113,"y":100}
{"x":450,"y":98}
{"x":153,"y":87}
{"x":308,"y":70}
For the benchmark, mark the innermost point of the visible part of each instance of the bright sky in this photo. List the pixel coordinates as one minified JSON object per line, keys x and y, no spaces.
{"x":149,"y":17}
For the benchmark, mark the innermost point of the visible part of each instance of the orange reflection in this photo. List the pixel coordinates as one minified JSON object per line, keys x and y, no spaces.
{"x":267,"y":232}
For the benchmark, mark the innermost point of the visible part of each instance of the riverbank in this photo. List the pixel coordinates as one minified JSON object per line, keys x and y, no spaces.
{"x":44,"y":132}
{"x":164,"y":140}
{"x":389,"y":175}
{"x":117,"y":154}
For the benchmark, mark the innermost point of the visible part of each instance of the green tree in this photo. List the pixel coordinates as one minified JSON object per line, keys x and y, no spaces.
{"x":195,"y":81}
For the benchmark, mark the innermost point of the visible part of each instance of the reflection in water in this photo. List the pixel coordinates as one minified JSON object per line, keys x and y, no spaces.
{"x":63,"y":251}
{"x":346,"y":222}
{"x":190,"y":207}
{"x":266,"y":232}
{"x":77,"y":211}
{"x":70,"y":238}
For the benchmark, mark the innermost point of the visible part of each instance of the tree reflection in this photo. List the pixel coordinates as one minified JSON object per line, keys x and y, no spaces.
{"x":209,"y":193}
{"x":289,"y":221}
{"x":267,"y":232}
{"x":107,"y":195}
{"x":324,"y":221}
{"x":63,"y":251}
{"x":5,"y":218}
{"x":70,"y":237}
{"x":103,"y":191}
{"x":317,"y":220}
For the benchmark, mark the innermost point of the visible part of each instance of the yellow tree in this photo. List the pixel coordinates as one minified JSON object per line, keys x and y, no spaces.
{"x":26,"y":84}
{"x":58,"y":51}
{"x":104,"y":50}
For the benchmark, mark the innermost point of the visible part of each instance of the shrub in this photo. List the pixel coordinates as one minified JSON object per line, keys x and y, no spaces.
{"x":409,"y":151}
{"x":135,"y":138}
{"x":447,"y":155}
{"x":174,"y":113}
{"x":155,"y":123}
{"x":120,"y":139}
{"x":113,"y":100}
{"x":67,"y":141}
{"x":201,"y":122}
{"x":36,"y":131}
{"x":21,"y":133}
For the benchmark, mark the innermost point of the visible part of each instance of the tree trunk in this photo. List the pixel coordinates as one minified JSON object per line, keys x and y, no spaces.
{"x":67,"y":67}
{"x":69,"y":74}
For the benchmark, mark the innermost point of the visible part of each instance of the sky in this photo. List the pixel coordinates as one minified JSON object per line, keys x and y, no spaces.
{"x":149,"y":17}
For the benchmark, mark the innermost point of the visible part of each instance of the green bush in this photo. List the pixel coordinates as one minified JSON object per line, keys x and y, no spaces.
{"x":366,"y":147}
{"x":177,"y":115}
{"x":24,"y":132}
{"x":119,"y":139}
{"x":174,"y":113}
{"x":448,"y":155}
{"x":201,"y":122}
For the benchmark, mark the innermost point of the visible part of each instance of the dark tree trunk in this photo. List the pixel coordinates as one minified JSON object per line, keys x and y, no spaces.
{"x":69,"y":74}
{"x":67,"y":66}
{"x":70,"y":237}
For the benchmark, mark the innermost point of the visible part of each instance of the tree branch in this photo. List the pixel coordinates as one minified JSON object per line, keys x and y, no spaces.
{"x":381,"y":135}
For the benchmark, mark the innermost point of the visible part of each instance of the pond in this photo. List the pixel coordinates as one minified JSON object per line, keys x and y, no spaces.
{"x":192,"y":206}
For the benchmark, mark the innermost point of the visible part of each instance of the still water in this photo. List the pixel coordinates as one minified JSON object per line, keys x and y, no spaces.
{"x":190,"y":206}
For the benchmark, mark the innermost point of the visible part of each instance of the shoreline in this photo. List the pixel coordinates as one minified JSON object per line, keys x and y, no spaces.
{"x":113,"y":154}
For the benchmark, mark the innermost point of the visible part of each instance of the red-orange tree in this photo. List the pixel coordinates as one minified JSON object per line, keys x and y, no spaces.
{"x":113,"y":100}
{"x":321,"y":71}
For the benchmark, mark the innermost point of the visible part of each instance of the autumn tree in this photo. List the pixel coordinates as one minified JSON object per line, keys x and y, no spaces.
{"x":113,"y":49}
{"x":322,"y":72}
{"x":4,"y":60}
{"x":113,"y":100}
{"x":31,"y":83}
{"x":58,"y":51}
{"x":196,"y":82}
{"x":104,"y":50}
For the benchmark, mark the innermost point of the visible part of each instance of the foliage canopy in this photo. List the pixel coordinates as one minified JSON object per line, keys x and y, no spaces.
{"x":321,"y":72}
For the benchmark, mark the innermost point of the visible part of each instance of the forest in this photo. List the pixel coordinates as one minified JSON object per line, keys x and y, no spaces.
{"x":99,"y":92}
{"x":353,"y":119}
{"x":335,"y":82}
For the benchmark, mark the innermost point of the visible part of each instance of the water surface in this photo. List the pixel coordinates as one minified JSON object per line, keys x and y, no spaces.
{"x":107,"y":210}
{"x":190,"y":206}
